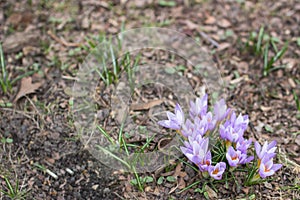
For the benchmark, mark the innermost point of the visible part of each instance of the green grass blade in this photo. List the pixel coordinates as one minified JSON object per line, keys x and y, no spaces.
{"x":120,"y":137}
{"x":105,"y":134}
{"x":101,"y":76}
{"x":125,"y":146}
{"x":296,"y":100}
{"x":138,"y":179}
{"x":113,"y":60}
{"x":9,"y":186}
{"x":266,"y":66}
{"x":4,"y":79}
{"x":277,"y":57}
{"x":2,"y":63}
{"x":114,"y":156}
{"x":189,"y":186}
{"x":259,"y":40}
{"x":147,"y":143}
{"x":281,"y":52}
{"x":274,"y":45}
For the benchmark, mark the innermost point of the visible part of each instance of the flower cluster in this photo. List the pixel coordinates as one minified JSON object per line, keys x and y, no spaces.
{"x":202,"y":124}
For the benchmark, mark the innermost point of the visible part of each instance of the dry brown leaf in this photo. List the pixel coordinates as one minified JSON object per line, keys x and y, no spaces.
{"x":177,"y":170}
{"x":246,"y":190}
{"x":210,"y":20}
{"x":181,"y":183}
{"x":223,"y":46}
{"x":211,"y":193}
{"x":191,"y":25}
{"x":27,"y":87}
{"x":224,"y":23}
{"x":292,"y":83}
{"x":265,"y":109}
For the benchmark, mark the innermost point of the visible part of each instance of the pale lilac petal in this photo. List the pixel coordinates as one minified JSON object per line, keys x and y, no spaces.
{"x":232,"y":157}
{"x":257,"y":148}
{"x":272,"y":144}
{"x":276,"y":167}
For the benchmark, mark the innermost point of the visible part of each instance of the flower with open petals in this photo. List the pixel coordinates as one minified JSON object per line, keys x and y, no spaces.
{"x":267,"y":167}
{"x":199,"y":107}
{"x":217,"y":171}
{"x":235,"y":157}
{"x":175,"y":121}
{"x":196,"y":150}
{"x":266,"y":149}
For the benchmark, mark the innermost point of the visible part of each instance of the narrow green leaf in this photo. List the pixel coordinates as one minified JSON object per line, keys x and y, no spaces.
{"x":188,"y":187}
{"x":266,"y":66}
{"x":259,"y":40}
{"x":296,"y":100}
{"x":105,"y":134}
{"x":167,"y":3}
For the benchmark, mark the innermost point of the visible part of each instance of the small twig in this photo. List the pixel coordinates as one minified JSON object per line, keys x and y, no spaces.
{"x":69,"y":171}
{"x":213,"y":42}
{"x":51,"y":174}
{"x":62,"y":41}
{"x":70,"y":78}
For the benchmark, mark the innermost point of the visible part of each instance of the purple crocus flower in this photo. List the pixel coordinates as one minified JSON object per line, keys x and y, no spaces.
{"x":240,"y":122}
{"x":233,"y":129}
{"x":235,"y":157}
{"x":208,"y":122}
{"x":228,"y":133}
{"x":267,"y":149}
{"x":217,"y":171}
{"x":197,"y":152}
{"x":192,"y":129}
{"x":243,"y":145}
{"x":199,"y":107}
{"x":267,"y":167}
{"x":175,"y":121}
{"x":220,"y":110}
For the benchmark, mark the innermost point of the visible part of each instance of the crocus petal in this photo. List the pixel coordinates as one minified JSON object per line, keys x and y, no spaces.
{"x":272,"y":144}
{"x":247,"y":160}
{"x":220,"y":110}
{"x":179,"y":114}
{"x":257,"y":148}
{"x":276,"y":167}
{"x":165,"y":123}
{"x":232,"y":157}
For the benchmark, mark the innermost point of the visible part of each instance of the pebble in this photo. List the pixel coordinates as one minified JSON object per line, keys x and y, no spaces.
{"x":106,"y":190}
